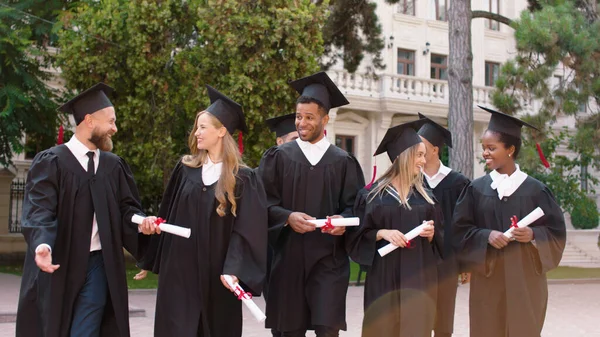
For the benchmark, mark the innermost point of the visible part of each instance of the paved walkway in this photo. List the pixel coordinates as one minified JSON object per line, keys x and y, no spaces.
{"x":573,"y":311}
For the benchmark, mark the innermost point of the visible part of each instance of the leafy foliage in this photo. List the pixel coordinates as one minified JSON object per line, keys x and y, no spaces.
{"x":351,"y":32}
{"x":26,"y":104}
{"x":559,"y":38}
{"x":159,"y":55}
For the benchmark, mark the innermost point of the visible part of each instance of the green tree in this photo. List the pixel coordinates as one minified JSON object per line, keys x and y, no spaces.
{"x":351,"y":32}
{"x":558,"y":38}
{"x":27,"y":104}
{"x":159,"y":55}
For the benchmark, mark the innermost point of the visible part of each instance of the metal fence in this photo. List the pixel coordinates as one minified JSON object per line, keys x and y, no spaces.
{"x":17,"y":193}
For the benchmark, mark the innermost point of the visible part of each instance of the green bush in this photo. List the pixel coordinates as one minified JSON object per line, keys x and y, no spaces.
{"x":585,"y":214}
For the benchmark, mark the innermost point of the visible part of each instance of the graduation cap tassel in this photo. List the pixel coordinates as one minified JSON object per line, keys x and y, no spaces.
{"x":61,"y":135}
{"x":542,"y":157}
{"x":241,"y":142}
{"x":372,"y":179}
{"x":325,"y":132}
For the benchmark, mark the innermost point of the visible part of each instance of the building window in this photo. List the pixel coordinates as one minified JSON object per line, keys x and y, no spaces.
{"x":491,"y":73}
{"x":407,"y":7}
{"x":346,"y":143}
{"x":557,"y":85}
{"x":492,"y":6}
{"x":439,"y":67}
{"x":439,"y":9}
{"x":584,"y":178}
{"x":406,"y":62}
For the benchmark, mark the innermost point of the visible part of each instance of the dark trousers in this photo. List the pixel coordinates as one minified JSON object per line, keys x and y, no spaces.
{"x":90,"y":303}
{"x":320,"y":331}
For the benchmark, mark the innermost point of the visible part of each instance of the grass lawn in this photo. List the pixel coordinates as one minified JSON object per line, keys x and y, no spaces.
{"x":151,"y":281}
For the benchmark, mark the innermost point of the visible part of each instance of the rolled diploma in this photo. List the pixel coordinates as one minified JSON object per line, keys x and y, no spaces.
{"x":385,"y":250}
{"x":254,"y":309}
{"x":526,"y":221}
{"x":336,"y":222}
{"x":165,"y":227}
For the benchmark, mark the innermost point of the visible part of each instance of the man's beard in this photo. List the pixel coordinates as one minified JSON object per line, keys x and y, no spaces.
{"x":102,"y":141}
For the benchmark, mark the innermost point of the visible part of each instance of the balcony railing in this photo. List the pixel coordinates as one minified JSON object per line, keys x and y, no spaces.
{"x":409,"y":88}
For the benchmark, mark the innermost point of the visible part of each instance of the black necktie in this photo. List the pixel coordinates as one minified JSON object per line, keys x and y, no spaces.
{"x":91,"y":166}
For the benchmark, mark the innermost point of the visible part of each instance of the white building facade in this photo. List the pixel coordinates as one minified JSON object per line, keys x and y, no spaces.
{"x":415,"y":79}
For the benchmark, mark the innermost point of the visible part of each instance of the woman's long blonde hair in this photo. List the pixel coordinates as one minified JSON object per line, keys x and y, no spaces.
{"x":232,"y":161}
{"x":402,"y":172}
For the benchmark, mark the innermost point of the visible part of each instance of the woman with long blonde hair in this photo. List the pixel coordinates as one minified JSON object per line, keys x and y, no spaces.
{"x":212,"y":192}
{"x":400,"y":288}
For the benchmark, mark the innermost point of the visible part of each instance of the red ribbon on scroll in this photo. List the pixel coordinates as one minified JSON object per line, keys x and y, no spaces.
{"x":327,"y":226}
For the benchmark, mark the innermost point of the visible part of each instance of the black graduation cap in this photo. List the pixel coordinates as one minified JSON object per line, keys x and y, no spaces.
{"x":320,"y":87}
{"x":282,"y":125}
{"x":399,"y":138}
{"x":501,"y":122}
{"x":434,"y":133}
{"x":228,"y":112}
{"x":88,"y":102}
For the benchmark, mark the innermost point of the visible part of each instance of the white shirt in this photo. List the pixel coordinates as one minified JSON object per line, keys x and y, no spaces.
{"x":314,"y":152}
{"x":437,"y":178}
{"x":506,"y":185}
{"x":211,"y":171}
{"x":80,"y":152}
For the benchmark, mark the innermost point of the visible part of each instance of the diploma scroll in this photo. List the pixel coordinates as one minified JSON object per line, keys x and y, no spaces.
{"x":336,"y":222}
{"x":246,"y":298}
{"x":385,"y":250}
{"x":165,"y":227}
{"x":526,"y":221}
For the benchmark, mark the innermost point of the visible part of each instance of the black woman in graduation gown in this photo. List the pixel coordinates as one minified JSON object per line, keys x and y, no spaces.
{"x":509,"y":291}
{"x":401,"y":287}
{"x":310,"y":270}
{"x":224,"y":204}
{"x":446,"y":185}
{"x":61,"y":199}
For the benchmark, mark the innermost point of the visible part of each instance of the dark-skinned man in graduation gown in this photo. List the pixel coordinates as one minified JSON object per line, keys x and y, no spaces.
{"x":79,"y":200}
{"x":509,"y":291}
{"x":306,"y":179}
{"x":446,"y":185}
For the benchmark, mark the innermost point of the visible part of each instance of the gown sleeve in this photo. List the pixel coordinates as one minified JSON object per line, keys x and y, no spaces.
{"x":549,"y":232}
{"x":268,"y":170}
{"x":354,"y":181}
{"x":470,"y":242}
{"x":151,"y":244}
{"x":247,"y":252}
{"x":40,"y":205}
{"x":361,"y":242}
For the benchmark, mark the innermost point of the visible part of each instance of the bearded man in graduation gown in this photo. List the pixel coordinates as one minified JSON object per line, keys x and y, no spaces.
{"x":446,"y":185}
{"x":79,"y":200}
{"x":306,"y":179}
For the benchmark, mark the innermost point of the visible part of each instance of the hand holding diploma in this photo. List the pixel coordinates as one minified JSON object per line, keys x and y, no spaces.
{"x":335,"y":224}
{"x":231,"y":283}
{"x":159,"y":226}
{"x":425,"y":229}
{"x":526,"y":221}
{"x":299,"y":222}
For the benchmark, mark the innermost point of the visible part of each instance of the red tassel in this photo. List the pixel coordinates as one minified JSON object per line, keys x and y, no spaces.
{"x":61,"y":135}
{"x":325,"y":132}
{"x":372,"y":179}
{"x":241,"y":142}
{"x":542,"y":157}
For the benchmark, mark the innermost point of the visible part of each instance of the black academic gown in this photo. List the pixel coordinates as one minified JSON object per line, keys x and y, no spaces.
{"x":60,"y":200}
{"x":191,"y":300}
{"x":401,"y":287}
{"x":310,"y":272}
{"x":509,"y":291}
{"x":447,"y":193}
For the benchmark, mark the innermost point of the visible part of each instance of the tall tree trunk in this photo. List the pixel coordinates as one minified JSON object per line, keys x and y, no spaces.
{"x":460,"y":83}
